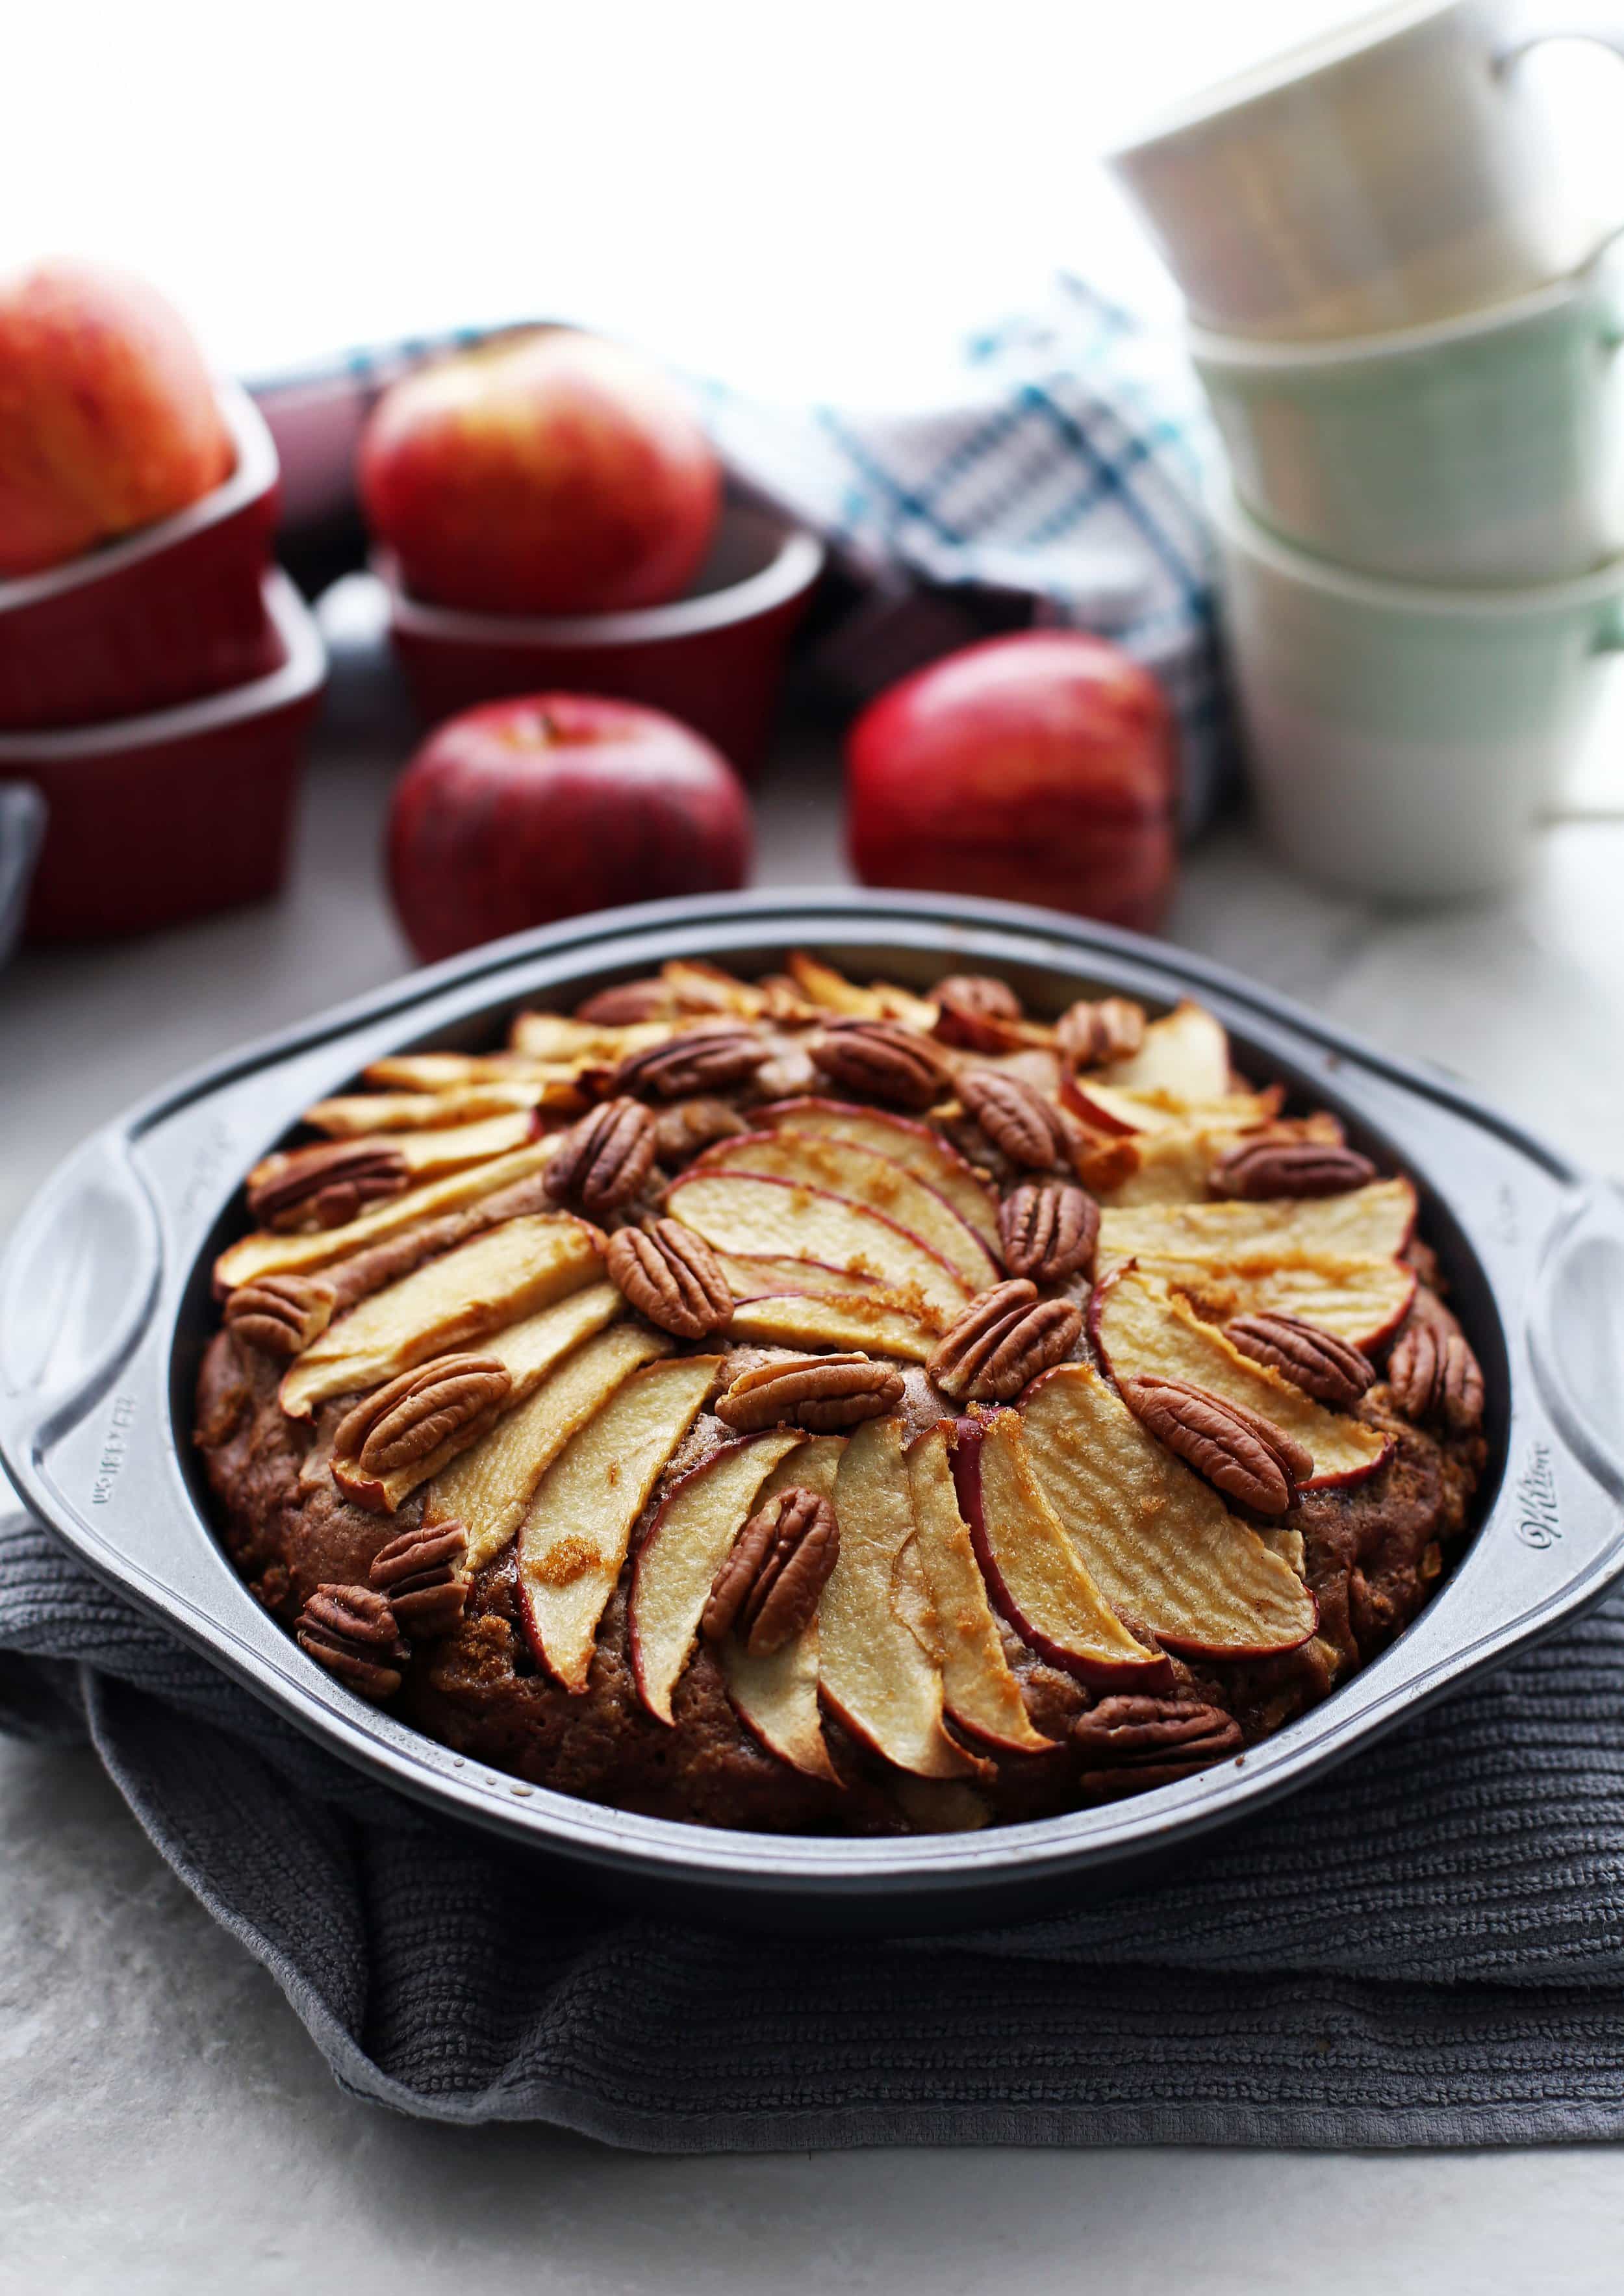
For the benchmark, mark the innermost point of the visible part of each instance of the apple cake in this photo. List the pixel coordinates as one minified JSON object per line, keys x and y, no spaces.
{"x":800,"y":1404}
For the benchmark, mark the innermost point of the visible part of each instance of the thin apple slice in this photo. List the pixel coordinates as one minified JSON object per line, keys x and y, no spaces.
{"x":453,"y":1072}
{"x":1031,"y":1568}
{"x":861,"y":1321}
{"x":872,"y":1671}
{"x":688,"y":1542}
{"x":573,"y":1540}
{"x":745,"y":1213}
{"x":981,"y":1693}
{"x":1157,"y":1542}
{"x":528,"y":1350}
{"x":352,"y":1115}
{"x":1172,"y":1168}
{"x":777,"y":1697}
{"x":1372,"y":1223}
{"x":1109,"y":1109}
{"x":488,"y":1489}
{"x":266,"y":1253}
{"x":917,"y":1147}
{"x":551,"y":1037}
{"x":1363,"y":1300}
{"x":1185,"y":1055}
{"x":507,"y":1273}
{"x":1144,"y":1330}
{"x":882,"y":1000}
{"x":448,"y":1148}
{"x":761,"y":1275}
{"x":850,"y":1169}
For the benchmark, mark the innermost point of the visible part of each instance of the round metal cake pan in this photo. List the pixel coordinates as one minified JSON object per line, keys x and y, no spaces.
{"x":106,"y":1308}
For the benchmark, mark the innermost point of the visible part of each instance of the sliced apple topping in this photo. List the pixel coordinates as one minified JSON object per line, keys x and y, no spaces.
{"x":551,"y":1037}
{"x":863,"y":1321}
{"x":1185,"y":1054}
{"x":981,"y":1693}
{"x":916,"y":1147}
{"x":573,"y":1540}
{"x":1144,"y":1331}
{"x":761,"y":1275}
{"x":823,"y":986}
{"x":1157,"y":1542}
{"x":1372,"y":1223}
{"x":1363,"y":1300}
{"x":354,"y":1114}
{"x":874,"y":1671}
{"x":526,"y":1352}
{"x":448,"y":1148}
{"x":687,"y":1544}
{"x":508,"y":1273}
{"x":776,"y":1696}
{"x":1031,"y":1568}
{"x":488,"y":1489}
{"x":454,"y":1072}
{"x":266,"y":1253}
{"x":1142,"y":1114}
{"x":879,"y":1183}
{"x":746,"y":1212}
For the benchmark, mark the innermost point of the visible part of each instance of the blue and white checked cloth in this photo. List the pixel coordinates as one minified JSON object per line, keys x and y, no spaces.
{"x":1056,"y":477}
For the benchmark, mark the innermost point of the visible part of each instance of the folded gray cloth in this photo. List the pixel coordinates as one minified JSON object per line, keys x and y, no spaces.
{"x":1427,"y":1950}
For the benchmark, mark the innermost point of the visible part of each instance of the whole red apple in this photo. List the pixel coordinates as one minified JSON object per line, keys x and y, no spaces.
{"x":557,"y":474}
{"x":1038,"y":767}
{"x":519,"y":812}
{"x":108,"y":418}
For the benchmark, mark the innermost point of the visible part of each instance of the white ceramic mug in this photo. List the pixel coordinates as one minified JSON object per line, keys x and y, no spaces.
{"x":1484,"y":449}
{"x":1392,"y":173}
{"x":1404,"y":742}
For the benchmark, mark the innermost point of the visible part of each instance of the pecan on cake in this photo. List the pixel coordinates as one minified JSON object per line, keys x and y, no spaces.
{"x":807,"y":1405}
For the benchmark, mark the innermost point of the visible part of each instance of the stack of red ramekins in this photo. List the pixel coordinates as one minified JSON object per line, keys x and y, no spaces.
{"x":157,"y":693}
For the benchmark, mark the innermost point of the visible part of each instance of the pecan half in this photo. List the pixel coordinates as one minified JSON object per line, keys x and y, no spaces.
{"x":325,"y":1186}
{"x":1330,"y":1369}
{"x":1002,"y":1339}
{"x":880,"y":1060}
{"x":702,"y":1060}
{"x":351,"y":1631}
{"x":1088,"y":1034}
{"x":1434,"y":1374}
{"x":629,"y":1003}
{"x":603,"y":1160}
{"x":421,"y":1572}
{"x":401,"y":1422}
{"x":966,"y":1002}
{"x":683,"y":1129}
{"x":671,"y":1276}
{"x":780,"y":1562}
{"x":281,"y":1314}
{"x":1255,"y":1168}
{"x":1048,"y":1229}
{"x":1129,"y":1744}
{"x":1016,"y":1118}
{"x":1238,"y":1451}
{"x":820,"y":1393}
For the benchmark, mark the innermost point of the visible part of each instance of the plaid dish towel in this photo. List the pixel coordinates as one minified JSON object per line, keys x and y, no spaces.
{"x":1054,"y":479}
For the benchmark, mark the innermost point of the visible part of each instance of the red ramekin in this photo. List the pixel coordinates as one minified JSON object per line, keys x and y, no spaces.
{"x":177,"y":812}
{"x":165,"y":616}
{"x":714,"y":658}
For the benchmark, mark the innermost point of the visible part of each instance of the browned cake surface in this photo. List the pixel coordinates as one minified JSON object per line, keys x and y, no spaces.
{"x":1162,"y":1521}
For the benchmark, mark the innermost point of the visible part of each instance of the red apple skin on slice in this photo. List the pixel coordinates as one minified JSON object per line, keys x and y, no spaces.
{"x":873,"y":1672}
{"x":1185,"y":1055}
{"x":745,"y":1213}
{"x":1031,"y":1568}
{"x":1372,"y":1223}
{"x":916,"y":1146}
{"x":573,"y":1540}
{"x":777,"y":1697}
{"x":1140,"y":1329}
{"x":850,"y":1169}
{"x":1157,"y":1542}
{"x":688,"y":1542}
{"x":981,"y":1694}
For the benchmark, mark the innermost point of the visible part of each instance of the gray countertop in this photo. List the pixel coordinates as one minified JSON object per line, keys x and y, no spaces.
{"x":165,"y":2124}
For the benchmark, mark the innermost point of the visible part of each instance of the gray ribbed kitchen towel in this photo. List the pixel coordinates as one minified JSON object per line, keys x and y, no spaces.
{"x":1427,"y":1950}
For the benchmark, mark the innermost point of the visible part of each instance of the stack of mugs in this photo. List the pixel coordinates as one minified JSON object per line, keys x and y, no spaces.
{"x":1410,"y":337}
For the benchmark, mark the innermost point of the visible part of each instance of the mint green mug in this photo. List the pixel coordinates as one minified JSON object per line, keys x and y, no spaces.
{"x":1484,"y":449}
{"x":1402,"y":742}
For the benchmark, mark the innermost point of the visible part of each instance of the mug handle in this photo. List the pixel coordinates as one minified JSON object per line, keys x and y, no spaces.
{"x":1608,"y":35}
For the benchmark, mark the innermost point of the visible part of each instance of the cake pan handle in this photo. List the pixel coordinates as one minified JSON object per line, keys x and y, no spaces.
{"x":1575,"y":1330}
{"x":77,"y":1280}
